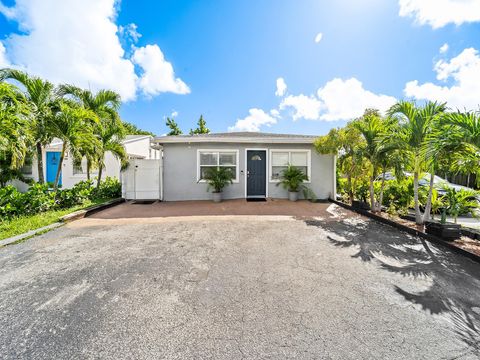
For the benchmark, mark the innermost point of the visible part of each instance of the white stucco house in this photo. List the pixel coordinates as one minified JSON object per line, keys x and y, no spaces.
{"x":136,"y":146}
{"x":257,"y":160}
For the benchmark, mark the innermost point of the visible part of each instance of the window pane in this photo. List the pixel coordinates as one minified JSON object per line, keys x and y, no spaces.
{"x":228,"y":158}
{"x":27,"y":167}
{"x":233,"y":171}
{"x":279,"y":158}
{"x":299,"y":158}
{"x":303,"y":168}
{"x":203,"y":171}
{"x":77,"y":169}
{"x":208,"y":158}
{"x":277,"y":172}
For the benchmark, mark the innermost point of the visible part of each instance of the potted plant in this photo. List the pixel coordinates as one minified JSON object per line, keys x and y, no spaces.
{"x":217,"y":178}
{"x":292,"y":179}
{"x":442,"y":229}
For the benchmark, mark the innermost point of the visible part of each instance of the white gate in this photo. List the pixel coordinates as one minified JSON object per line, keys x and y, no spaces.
{"x":142,"y":180}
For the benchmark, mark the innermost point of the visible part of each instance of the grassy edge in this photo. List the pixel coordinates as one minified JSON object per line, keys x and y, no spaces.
{"x":23,"y":224}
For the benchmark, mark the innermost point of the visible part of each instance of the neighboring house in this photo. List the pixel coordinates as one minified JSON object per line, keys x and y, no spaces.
{"x":256,"y":159}
{"x":136,"y":146}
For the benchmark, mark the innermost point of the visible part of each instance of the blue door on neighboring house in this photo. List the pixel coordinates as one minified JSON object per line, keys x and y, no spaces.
{"x":53,"y":158}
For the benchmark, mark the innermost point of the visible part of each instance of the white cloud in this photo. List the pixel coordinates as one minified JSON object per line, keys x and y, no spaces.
{"x":174,"y":114}
{"x":347,"y":99}
{"x":318,"y":38}
{"x":303,"y":106}
{"x":3,"y":57}
{"x":78,"y":43}
{"x":281,"y":87}
{"x":463,"y":70}
{"x":275,"y":113}
{"x":130,"y":31}
{"x":253,"y":122}
{"x":438,"y":13}
{"x":158,"y":75}
{"x":444,"y":48}
{"x":337,"y":100}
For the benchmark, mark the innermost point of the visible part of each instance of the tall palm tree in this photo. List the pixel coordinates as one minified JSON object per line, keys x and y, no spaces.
{"x":74,"y":126}
{"x":377,"y":147}
{"x":414,"y":137}
{"x":41,"y":98}
{"x":14,"y":135}
{"x":110,"y":134}
{"x":466,"y":129}
{"x":105,"y":104}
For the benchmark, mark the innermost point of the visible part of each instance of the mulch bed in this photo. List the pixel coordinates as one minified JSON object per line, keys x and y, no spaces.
{"x":465,"y":245}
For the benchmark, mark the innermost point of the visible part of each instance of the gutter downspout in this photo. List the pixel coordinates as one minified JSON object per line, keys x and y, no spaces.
{"x":334,"y":195}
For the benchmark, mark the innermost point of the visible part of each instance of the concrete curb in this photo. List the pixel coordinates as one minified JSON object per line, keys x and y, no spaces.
{"x":411,"y":231}
{"x":30,"y":233}
{"x":63,"y":220}
{"x":80,"y":214}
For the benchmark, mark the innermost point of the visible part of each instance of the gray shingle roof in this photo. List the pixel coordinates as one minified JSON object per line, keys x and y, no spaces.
{"x":249,"y":137}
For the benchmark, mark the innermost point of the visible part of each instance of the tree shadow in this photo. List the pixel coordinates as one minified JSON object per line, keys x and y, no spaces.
{"x":455,"y":280}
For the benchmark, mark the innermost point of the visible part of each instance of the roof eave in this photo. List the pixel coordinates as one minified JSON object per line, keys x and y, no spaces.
{"x":234,"y":140}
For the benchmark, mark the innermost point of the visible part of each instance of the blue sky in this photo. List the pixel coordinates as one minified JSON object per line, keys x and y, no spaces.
{"x":222,"y":59}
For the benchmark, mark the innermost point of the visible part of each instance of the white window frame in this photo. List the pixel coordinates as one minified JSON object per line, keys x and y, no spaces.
{"x":290,"y":151}
{"x":237,"y":160}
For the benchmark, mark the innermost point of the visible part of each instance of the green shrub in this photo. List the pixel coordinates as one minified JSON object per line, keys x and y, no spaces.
{"x":398,"y":194}
{"x":79,"y":194}
{"x":109,"y":188}
{"x":40,"y":198}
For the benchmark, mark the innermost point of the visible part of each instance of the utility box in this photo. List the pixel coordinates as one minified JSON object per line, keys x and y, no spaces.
{"x":142,"y":180}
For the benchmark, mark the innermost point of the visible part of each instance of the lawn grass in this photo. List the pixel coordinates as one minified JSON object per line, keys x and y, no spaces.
{"x":22,"y":224}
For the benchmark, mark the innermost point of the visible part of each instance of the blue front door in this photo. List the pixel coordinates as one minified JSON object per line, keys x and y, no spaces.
{"x":53,"y":158}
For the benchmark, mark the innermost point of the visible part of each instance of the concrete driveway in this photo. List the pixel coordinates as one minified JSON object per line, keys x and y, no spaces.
{"x":337,"y":286}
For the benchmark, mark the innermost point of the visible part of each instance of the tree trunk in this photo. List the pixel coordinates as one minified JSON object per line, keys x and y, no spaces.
{"x":428,"y":205}
{"x":373,"y":206}
{"x":60,"y":164}
{"x":468,"y":180}
{"x":88,"y":169}
{"x":381,"y":192}
{"x":99,"y":179}
{"x":418,"y":215}
{"x":41,"y":178}
{"x":350,"y":192}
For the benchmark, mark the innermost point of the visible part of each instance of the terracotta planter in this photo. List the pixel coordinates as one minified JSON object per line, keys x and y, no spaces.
{"x":293,"y":195}
{"x":217,"y":197}
{"x":447,"y":231}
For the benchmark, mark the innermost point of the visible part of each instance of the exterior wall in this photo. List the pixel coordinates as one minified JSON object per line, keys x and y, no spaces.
{"x":180,"y":172}
{"x":141,"y":148}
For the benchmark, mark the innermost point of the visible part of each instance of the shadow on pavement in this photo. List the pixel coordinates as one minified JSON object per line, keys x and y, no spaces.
{"x":455,"y":289}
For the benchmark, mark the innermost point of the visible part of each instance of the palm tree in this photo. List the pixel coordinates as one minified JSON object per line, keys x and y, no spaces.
{"x":414,"y":137}
{"x":345,"y":144}
{"x":466,"y":127}
{"x":376,"y":149}
{"x":110,"y":134}
{"x":14,"y":135}
{"x":74,"y":126}
{"x":105,"y":104}
{"x":41,"y":98}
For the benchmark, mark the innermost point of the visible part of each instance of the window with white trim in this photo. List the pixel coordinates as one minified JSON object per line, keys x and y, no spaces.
{"x":213,"y":158}
{"x":279,"y":160}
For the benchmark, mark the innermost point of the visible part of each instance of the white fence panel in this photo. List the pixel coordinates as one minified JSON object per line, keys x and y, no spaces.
{"x":142,"y":180}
